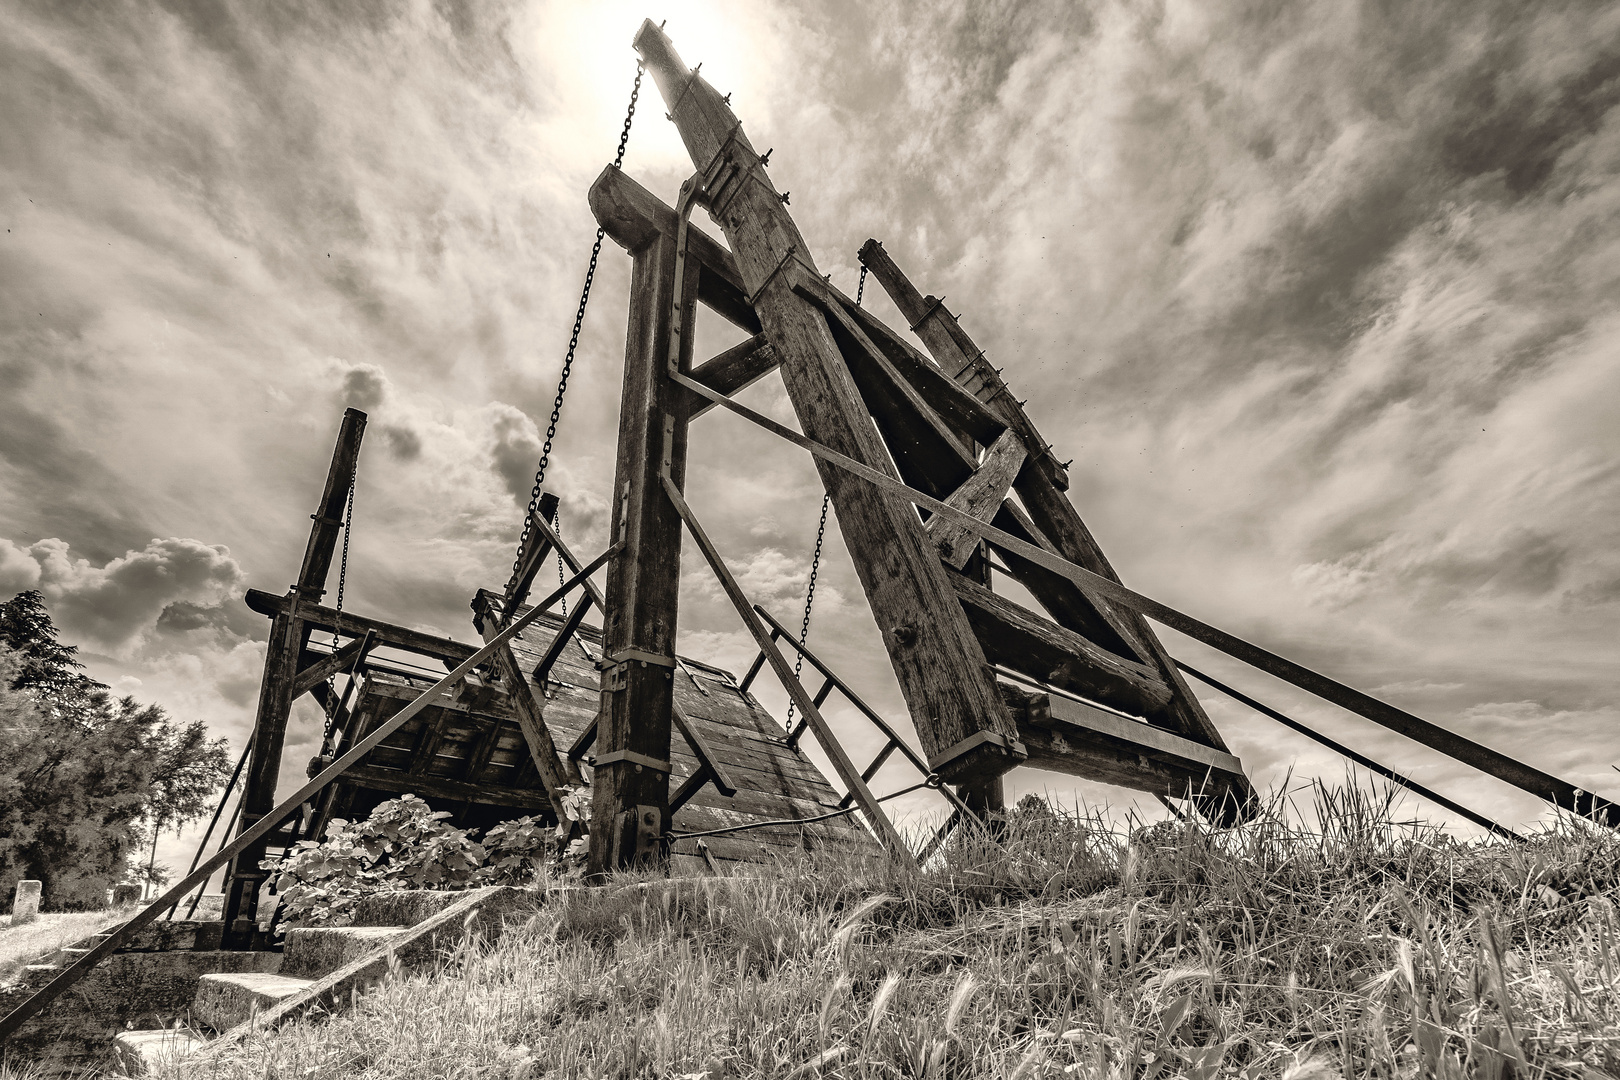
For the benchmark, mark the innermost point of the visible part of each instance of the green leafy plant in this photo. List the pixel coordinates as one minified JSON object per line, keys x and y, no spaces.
{"x":404,"y":844}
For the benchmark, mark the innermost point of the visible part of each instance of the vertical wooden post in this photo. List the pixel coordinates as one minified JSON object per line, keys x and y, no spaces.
{"x":630,"y":804}
{"x":288,"y":635}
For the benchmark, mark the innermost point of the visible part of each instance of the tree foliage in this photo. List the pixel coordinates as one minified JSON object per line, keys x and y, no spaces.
{"x":83,"y":773}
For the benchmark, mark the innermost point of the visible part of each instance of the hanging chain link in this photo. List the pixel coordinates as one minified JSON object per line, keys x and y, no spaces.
{"x":860,"y":290}
{"x":810,"y":594}
{"x":573,"y":344}
{"x":556,"y":525}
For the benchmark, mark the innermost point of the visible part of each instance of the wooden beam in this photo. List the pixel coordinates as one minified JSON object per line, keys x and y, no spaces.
{"x":445,"y":789}
{"x":1019,"y":639}
{"x":570,"y":627}
{"x":960,"y":717}
{"x":732,"y":371}
{"x":530,"y":716}
{"x":960,"y":409}
{"x":535,"y":549}
{"x":634,"y":217}
{"x":980,"y":495}
{"x":1070,"y":605}
{"x":1041,"y":486}
{"x":1081,"y":740}
{"x":929,"y":455}
{"x":428,"y":741}
{"x":479,"y":756}
{"x":324,"y":619}
{"x":328,"y":516}
{"x":331,"y":664}
{"x":276,"y":696}
{"x":876,"y":819}
{"x":643,"y":582}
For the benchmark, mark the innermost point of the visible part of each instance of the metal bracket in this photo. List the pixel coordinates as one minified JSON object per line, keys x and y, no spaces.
{"x":972,"y":742}
{"x":614,"y":678}
{"x":640,"y":761}
{"x":624,"y":656}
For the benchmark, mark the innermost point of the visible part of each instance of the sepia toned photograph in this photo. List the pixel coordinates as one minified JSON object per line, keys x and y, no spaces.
{"x":782,"y":541}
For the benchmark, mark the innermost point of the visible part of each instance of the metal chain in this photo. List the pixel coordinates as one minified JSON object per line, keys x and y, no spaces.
{"x":573,"y":344}
{"x":556,"y":525}
{"x":860,"y":290}
{"x":810,"y":594}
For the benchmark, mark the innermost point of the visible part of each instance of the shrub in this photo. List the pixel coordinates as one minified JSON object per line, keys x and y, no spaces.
{"x":404,"y":844}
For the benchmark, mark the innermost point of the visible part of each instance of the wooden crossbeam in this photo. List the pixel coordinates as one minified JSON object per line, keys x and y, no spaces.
{"x":635,"y":217}
{"x":531,"y":557}
{"x":733,"y":370}
{"x":980,"y":495}
{"x":1073,"y":737}
{"x":319,"y":619}
{"x":1018,"y":638}
{"x":318,"y":671}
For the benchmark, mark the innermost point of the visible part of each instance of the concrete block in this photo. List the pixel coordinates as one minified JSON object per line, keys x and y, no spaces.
{"x":312,"y":951}
{"x":404,"y":908}
{"x":223,"y":1001}
{"x":146,"y":1053}
{"x":25,"y":907}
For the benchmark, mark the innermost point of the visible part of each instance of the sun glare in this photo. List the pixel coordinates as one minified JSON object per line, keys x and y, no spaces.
{"x":586,"y":53}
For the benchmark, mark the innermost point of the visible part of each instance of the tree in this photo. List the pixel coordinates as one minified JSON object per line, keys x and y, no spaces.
{"x":81,"y":770}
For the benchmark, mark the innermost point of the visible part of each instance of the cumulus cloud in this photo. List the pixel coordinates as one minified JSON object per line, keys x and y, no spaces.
{"x":113,"y":603}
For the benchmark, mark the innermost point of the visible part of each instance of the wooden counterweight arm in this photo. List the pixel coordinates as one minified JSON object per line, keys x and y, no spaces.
{"x":937,"y":659}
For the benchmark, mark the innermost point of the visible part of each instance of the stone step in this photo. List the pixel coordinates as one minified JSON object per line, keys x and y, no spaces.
{"x":145,"y":1053}
{"x":224,"y":1001}
{"x":407,"y":907}
{"x":70,"y":953}
{"x":312,"y":951}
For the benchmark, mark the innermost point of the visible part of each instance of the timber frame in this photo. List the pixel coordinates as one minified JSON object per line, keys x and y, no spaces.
{"x":941,"y":481}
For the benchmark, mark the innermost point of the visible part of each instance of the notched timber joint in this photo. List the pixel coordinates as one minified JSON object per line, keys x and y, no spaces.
{"x":1009,"y":746}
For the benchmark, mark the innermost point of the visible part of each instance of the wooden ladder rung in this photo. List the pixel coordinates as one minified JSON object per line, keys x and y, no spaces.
{"x":821,"y":696}
{"x":872,"y":769}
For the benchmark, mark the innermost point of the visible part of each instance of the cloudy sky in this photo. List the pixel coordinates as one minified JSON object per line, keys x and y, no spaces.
{"x":1321,"y":298}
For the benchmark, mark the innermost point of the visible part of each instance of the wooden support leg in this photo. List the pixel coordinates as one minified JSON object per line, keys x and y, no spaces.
{"x":276,"y":692}
{"x":631,"y":781}
{"x":987,"y":798}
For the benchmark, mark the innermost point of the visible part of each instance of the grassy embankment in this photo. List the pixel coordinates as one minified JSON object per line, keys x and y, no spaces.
{"x":1357,"y":946}
{"x":22,"y":945}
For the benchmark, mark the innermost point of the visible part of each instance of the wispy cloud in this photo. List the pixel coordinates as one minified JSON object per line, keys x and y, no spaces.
{"x":1320,"y":298}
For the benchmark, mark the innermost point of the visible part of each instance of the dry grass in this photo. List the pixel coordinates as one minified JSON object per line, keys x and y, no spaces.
{"x":23,"y":945}
{"x":1355,"y":946}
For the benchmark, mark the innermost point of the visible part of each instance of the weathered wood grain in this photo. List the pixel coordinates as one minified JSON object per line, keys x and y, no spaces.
{"x":1019,"y":639}
{"x":980,"y":495}
{"x":937,"y":660}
